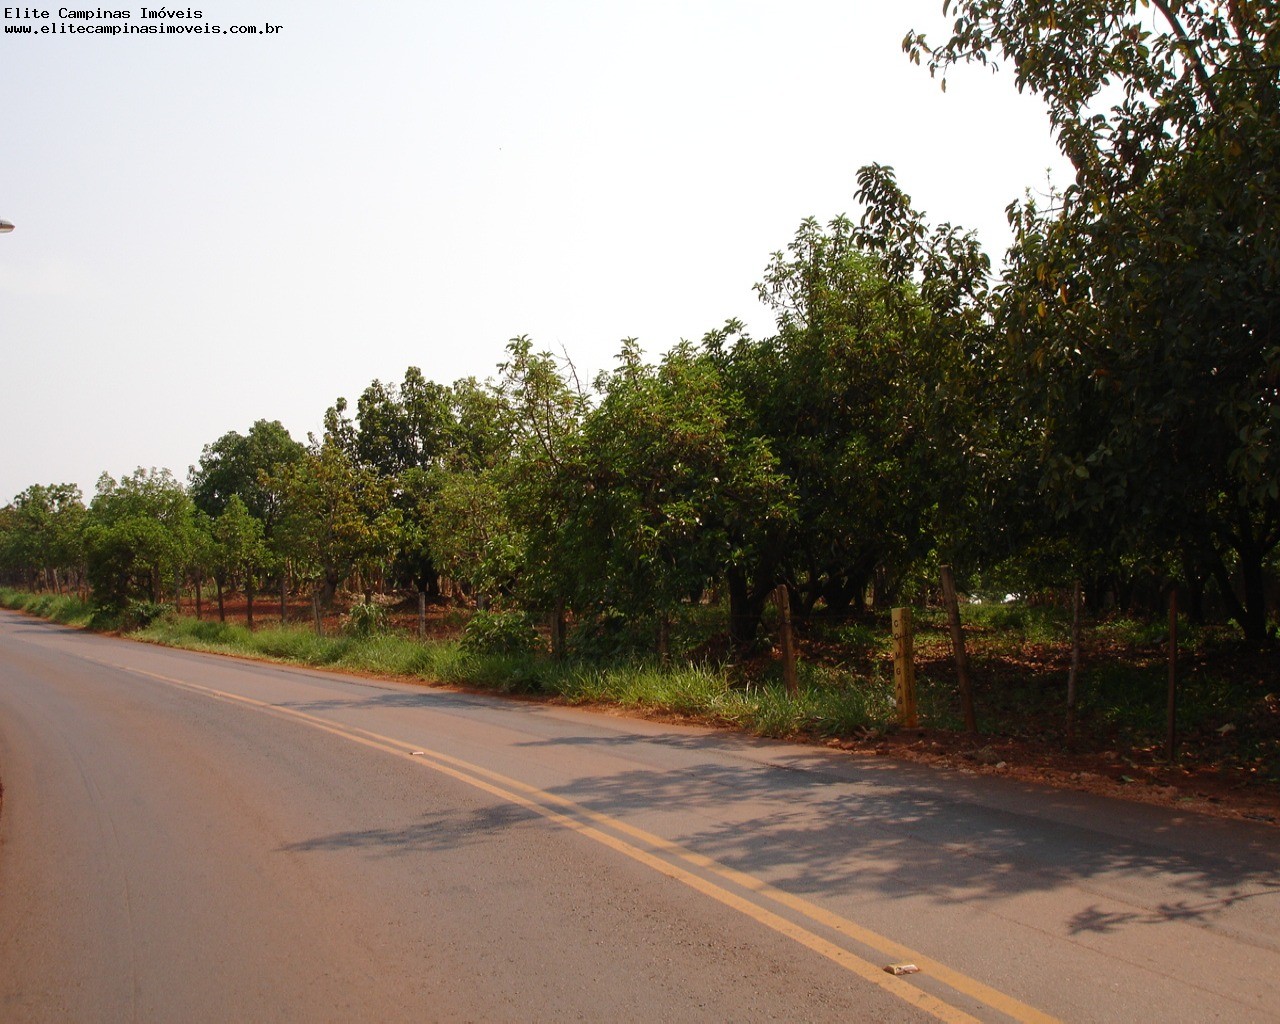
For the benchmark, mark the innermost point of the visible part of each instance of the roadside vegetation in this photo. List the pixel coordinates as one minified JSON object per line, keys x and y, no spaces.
{"x":826,"y":706}
{"x":1228,"y":720}
{"x":68,"y":609}
{"x":1092,"y":428}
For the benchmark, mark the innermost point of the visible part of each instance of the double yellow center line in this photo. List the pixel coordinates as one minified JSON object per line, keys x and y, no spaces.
{"x":692,"y":869}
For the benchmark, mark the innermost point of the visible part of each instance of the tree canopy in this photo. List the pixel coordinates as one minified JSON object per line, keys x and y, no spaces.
{"x":1104,"y":407}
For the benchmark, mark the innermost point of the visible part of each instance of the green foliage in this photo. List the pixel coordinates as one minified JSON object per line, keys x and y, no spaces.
{"x":239,"y":547}
{"x":470,"y":532}
{"x":209,"y":631}
{"x":337,"y":517}
{"x":140,"y":614}
{"x":669,"y":491}
{"x":865,"y":395}
{"x":404,"y":434}
{"x":545,"y":408}
{"x":683,"y":690}
{"x":1010,"y":626}
{"x":139,"y":536}
{"x":503,"y":633}
{"x":1000,"y":616}
{"x":367,"y":618}
{"x":65,"y":608}
{"x":242,"y":466}
{"x":828,"y":704}
{"x":41,"y":534}
{"x":1151,"y":634}
{"x":1141,"y":304}
{"x":402,"y":428}
{"x":609,"y":635}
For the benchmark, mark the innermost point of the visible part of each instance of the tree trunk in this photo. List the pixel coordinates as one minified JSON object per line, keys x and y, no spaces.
{"x":222,"y":609}
{"x":789,"y":676}
{"x":328,"y":588}
{"x":746,"y":605}
{"x":1250,"y":613}
{"x":885,"y":589}
{"x":838,"y":595}
{"x":957,"y":645}
{"x":248,"y":606}
{"x":1073,"y":674}
{"x":558,"y":630}
{"x":1253,"y":578}
{"x":850,"y":589}
{"x":1171,"y":724}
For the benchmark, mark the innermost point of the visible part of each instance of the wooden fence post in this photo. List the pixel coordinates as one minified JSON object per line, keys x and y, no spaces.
{"x":315,"y":611}
{"x":422,"y":614}
{"x":904,"y":669}
{"x":957,"y":645}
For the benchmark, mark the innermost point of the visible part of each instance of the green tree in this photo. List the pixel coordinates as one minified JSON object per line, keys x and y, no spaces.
{"x":1142,"y":302}
{"x":402,"y":433}
{"x":240,"y":464}
{"x":866,"y":393}
{"x":834,"y":393}
{"x":14,"y":569}
{"x":44,"y":534}
{"x":481,"y":431}
{"x":470,"y":534}
{"x":668,"y":493}
{"x":337,"y":518}
{"x":249,"y":466}
{"x":543,"y":409}
{"x":139,"y":533}
{"x":403,"y":427}
{"x":239,"y":551}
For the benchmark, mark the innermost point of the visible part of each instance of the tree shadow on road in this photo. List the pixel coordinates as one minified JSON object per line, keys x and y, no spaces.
{"x":813,"y":822}
{"x":435,"y":832}
{"x":814,"y":826}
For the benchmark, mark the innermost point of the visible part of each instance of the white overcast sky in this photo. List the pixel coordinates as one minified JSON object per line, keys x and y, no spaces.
{"x":215,"y":229}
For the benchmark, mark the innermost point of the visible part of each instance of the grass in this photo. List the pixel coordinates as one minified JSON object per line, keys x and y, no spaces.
{"x":830,"y":703}
{"x":65,"y":608}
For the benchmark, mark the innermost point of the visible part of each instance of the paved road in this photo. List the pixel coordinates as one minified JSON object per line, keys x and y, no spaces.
{"x":192,"y":838}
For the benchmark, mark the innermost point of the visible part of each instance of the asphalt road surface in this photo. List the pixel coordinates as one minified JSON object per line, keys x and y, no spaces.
{"x":195,"y":838}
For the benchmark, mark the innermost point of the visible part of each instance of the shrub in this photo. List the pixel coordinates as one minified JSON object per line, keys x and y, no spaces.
{"x":500,"y":633}
{"x":140,"y":614}
{"x":366,"y":619}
